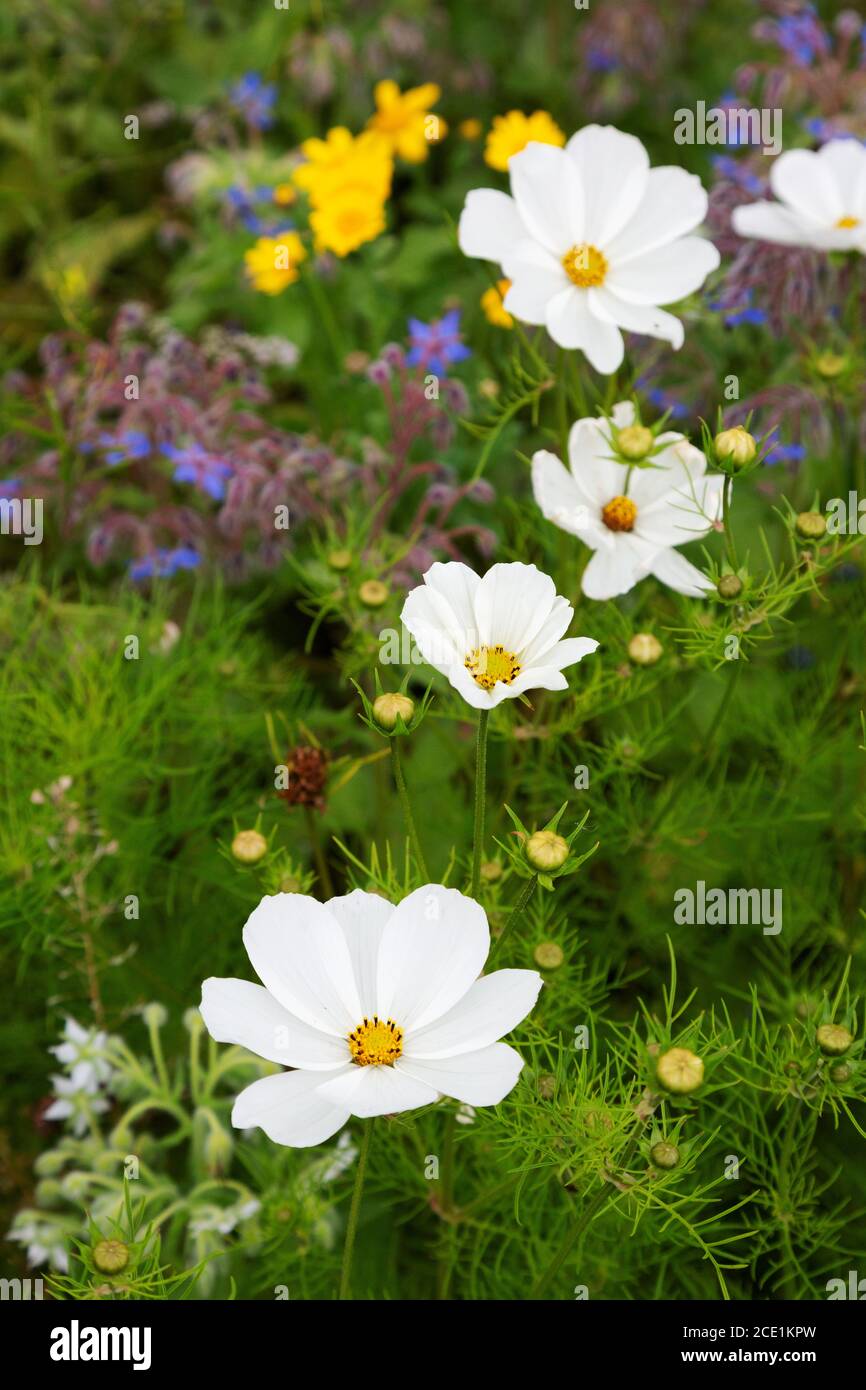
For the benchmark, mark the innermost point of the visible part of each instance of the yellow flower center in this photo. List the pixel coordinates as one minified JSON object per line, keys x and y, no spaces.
{"x":619,"y":514}
{"x":487,"y":665}
{"x":376,"y":1044}
{"x":845,"y":223}
{"x":585,"y":266}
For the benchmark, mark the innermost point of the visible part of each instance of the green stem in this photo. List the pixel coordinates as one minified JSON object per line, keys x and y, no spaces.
{"x":726,"y":521}
{"x":516,"y":912}
{"x":354,"y":1211}
{"x":326,"y":315}
{"x":480,"y":797}
{"x":403,"y":794}
{"x":578,"y":1228}
{"x":321,"y":862}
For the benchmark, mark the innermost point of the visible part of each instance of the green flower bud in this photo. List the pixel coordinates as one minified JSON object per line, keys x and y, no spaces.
{"x":340,"y":559}
{"x":387,"y":709}
{"x":548,"y":955}
{"x":50,"y":1163}
{"x":736,"y":446}
{"x":833,"y":1039}
{"x":680,"y":1070}
{"x":249,"y":846}
{"x":110,"y":1256}
{"x":729,"y":586}
{"x":545,"y":850}
{"x":218,"y":1149}
{"x":193,"y":1021}
{"x":48,"y":1192}
{"x":491,"y":871}
{"x":811,"y":525}
{"x":635,"y":441}
{"x":664,"y":1154}
{"x":373,"y":593}
{"x":155,"y":1015}
{"x":841,"y":1073}
{"x":644,"y":649}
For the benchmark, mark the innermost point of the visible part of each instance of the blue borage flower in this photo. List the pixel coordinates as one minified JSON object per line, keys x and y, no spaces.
{"x":122,"y":447}
{"x":163,"y":563}
{"x":195,"y":465}
{"x":254,"y":99}
{"x":437,"y":345}
{"x":245,"y":204}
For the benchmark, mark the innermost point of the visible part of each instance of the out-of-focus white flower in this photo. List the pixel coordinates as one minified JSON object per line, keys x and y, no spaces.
{"x":82,"y":1052}
{"x":45,"y":1242}
{"x":822,"y":200}
{"x":75,"y":1101}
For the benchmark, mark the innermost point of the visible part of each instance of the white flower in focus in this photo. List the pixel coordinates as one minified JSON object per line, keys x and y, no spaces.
{"x":75,"y":1101}
{"x":83,"y":1054}
{"x":593,"y":240}
{"x":631,"y":517}
{"x":822,"y":200}
{"x":495,"y":637}
{"x":378,"y":1009}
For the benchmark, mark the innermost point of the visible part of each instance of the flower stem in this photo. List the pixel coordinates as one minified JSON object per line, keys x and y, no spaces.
{"x":516,"y":912}
{"x":403,"y":794}
{"x":354,"y":1211}
{"x":726,"y":521}
{"x":480,"y":797}
{"x":322,"y":870}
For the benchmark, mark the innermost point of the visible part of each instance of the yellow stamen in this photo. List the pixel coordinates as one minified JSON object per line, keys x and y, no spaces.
{"x":845,"y":223}
{"x":619,"y":514}
{"x":585,"y":266}
{"x":376,"y":1044}
{"x":487,"y":665}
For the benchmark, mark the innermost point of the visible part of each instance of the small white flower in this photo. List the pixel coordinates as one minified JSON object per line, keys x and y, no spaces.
{"x":593,"y":240}
{"x":495,"y":637}
{"x":631,"y":517}
{"x":46,"y":1243}
{"x":378,"y":1009}
{"x":82,"y":1053}
{"x":75,"y":1101}
{"x":822,"y":200}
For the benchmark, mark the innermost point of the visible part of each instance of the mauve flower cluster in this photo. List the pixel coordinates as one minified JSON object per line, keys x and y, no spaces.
{"x":161,"y":458}
{"x":623,"y":51}
{"x":418,"y":418}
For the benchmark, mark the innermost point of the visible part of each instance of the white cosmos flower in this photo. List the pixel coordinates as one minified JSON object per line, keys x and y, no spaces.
{"x":631,"y":518}
{"x":593,"y":240}
{"x":822,"y":200}
{"x":495,"y":637}
{"x":378,"y":1008}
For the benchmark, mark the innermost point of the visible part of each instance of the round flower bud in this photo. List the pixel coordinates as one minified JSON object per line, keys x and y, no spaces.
{"x":635,"y":441}
{"x":644,"y":649}
{"x":546,"y":850}
{"x":218,"y":1150}
{"x":841,"y":1073}
{"x":387,"y":709}
{"x":340,"y":559}
{"x":193,"y":1021}
{"x":249,"y":846}
{"x":830,"y":364}
{"x":110,"y":1256}
{"x":736,"y":446}
{"x":491,"y":871}
{"x":729,"y":586}
{"x":290,"y":884}
{"x":680,"y":1071}
{"x":548,"y":955}
{"x":51,"y":1162}
{"x":664,"y":1154}
{"x":155,"y":1015}
{"x":373,"y":593}
{"x":49,"y":1192}
{"x":833,"y":1039}
{"x":811,"y":525}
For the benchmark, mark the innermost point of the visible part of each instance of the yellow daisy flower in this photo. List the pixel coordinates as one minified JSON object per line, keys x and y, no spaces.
{"x":343,"y":157}
{"x":494,"y":309}
{"x":470,"y":129}
{"x":405,"y":119}
{"x":347,"y":221}
{"x":272,"y":263}
{"x":511,"y":133}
